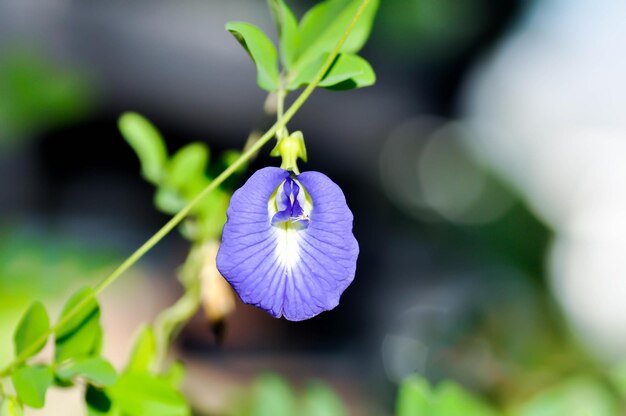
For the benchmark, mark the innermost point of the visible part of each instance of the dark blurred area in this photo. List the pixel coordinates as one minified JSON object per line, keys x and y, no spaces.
{"x":464,"y":269}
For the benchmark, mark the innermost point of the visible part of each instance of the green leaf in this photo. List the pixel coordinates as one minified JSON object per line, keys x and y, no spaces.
{"x":288,"y":31}
{"x":11,"y":407}
{"x":175,"y":374}
{"x":147,"y":142}
{"x":212,"y":214}
{"x":347,"y":72}
{"x":95,"y":369}
{"x":580,"y":396}
{"x":168,"y":200}
{"x":228,"y":157}
{"x":31,"y":384}
{"x":97,"y":401}
{"x":81,"y":335}
{"x":32,"y":330}
{"x":323,"y":25}
{"x":320,"y":400}
{"x":261,"y":50}
{"x":187,"y":165}
{"x":617,"y":376}
{"x":138,"y":394}
{"x":414,"y":398}
{"x":452,"y":400}
{"x":39,"y":93}
{"x":144,"y":351}
{"x":271,"y":396}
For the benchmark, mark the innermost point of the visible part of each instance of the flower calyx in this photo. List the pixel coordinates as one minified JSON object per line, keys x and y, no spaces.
{"x":290,"y":148}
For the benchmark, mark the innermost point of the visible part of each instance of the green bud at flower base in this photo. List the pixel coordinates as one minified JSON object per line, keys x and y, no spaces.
{"x":11,"y":407}
{"x":290,"y":148}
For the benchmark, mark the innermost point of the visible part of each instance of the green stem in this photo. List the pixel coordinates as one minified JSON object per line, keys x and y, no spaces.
{"x":280,"y":98}
{"x":180,"y":216}
{"x":281,"y":94}
{"x":169,"y":321}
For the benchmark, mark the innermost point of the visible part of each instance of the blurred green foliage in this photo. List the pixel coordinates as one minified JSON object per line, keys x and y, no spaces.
{"x":37,"y":94}
{"x":271,"y":395}
{"x":138,"y":390}
{"x":575,"y":396}
{"x":511,"y":354}
{"x":178,"y":178}
{"x":39,"y":265}
{"x":141,"y":388}
{"x":416,"y":398}
{"x":431,"y":30}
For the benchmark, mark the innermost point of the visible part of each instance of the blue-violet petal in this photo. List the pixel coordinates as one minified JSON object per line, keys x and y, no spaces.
{"x":288,"y":246}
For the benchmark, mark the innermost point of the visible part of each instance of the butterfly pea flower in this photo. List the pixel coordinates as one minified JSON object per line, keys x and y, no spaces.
{"x":287,"y":246}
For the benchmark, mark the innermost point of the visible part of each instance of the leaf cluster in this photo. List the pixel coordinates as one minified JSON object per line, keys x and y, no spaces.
{"x":305,"y":45}
{"x":77,"y":351}
{"x":179,"y":177}
{"x":140,"y":389}
{"x":137,"y":390}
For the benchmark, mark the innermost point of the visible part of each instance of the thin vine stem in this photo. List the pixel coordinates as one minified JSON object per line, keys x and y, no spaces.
{"x":280,"y":98}
{"x":281,"y":94}
{"x":180,"y":216}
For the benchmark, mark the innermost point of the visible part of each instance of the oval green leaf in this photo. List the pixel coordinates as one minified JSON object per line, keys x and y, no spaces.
{"x":453,"y":400}
{"x":577,"y":396}
{"x":347,"y":72}
{"x":414,"y":398}
{"x":288,"y":32}
{"x":175,"y":374}
{"x":98,"y":402}
{"x":139,"y":394}
{"x":188,"y":165}
{"x":147,"y":143}
{"x":321,"y":400}
{"x":272,"y":396}
{"x":31,"y":333}
{"x":31,"y":384}
{"x":323,"y":25}
{"x":81,"y":335}
{"x":143,"y":352}
{"x":168,"y":200}
{"x":97,"y":370}
{"x":261,"y":50}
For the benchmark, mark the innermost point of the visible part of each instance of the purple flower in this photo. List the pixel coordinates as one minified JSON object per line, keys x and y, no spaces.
{"x":288,"y":246}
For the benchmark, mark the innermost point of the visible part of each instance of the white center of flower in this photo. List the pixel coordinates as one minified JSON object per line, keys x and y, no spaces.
{"x":288,"y":222}
{"x":287,"y":245}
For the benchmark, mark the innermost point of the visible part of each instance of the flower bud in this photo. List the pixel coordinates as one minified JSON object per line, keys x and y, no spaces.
{"x":290,"y":148}
{"x":218,"y":298}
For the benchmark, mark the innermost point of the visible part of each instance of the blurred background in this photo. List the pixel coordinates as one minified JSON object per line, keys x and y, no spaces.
{"x":486,"y":171}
